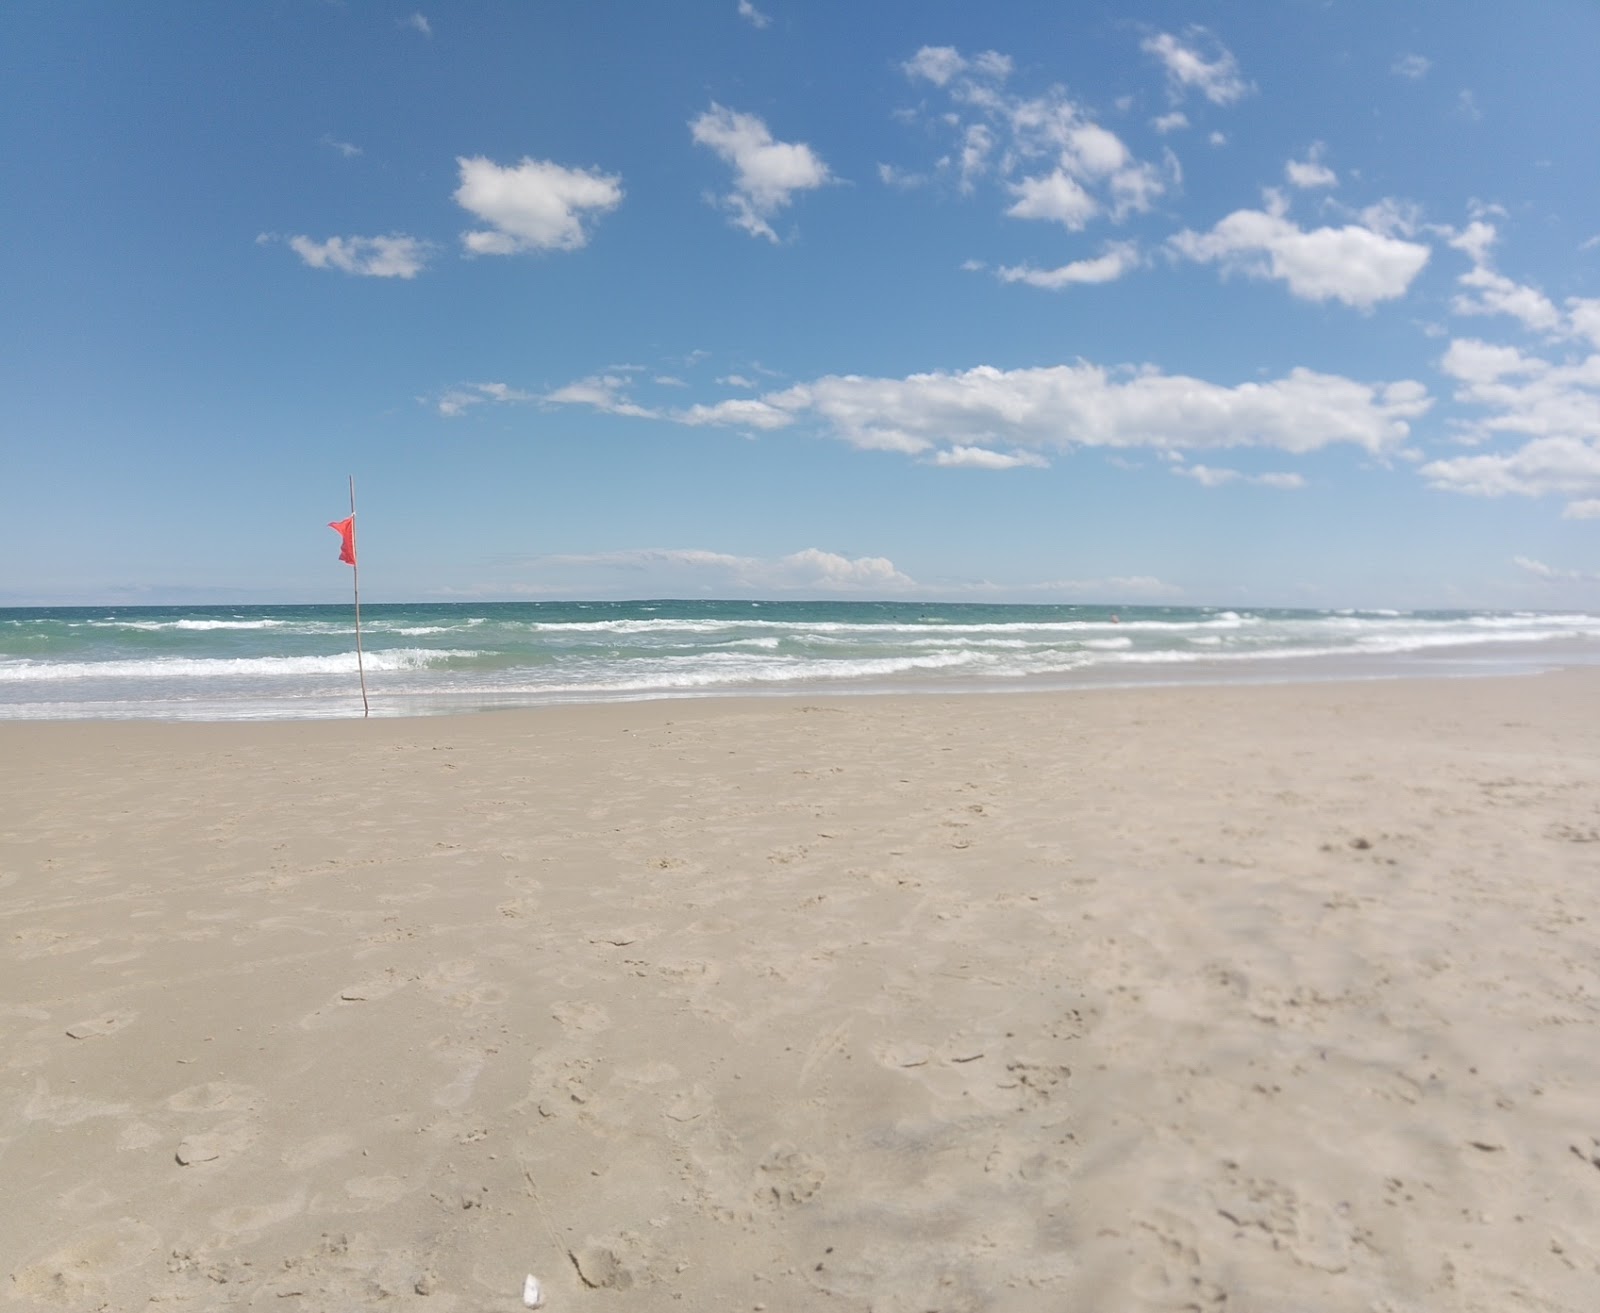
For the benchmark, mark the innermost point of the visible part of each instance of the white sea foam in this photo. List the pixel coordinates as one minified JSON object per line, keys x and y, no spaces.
{"x":189,"y":668}
{"x":154,"y":626}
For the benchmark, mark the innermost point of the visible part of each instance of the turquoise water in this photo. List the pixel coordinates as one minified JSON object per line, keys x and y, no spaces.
{"x":299,"y":662}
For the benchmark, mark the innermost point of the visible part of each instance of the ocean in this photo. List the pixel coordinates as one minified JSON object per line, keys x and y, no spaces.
{"x":215,"y":663}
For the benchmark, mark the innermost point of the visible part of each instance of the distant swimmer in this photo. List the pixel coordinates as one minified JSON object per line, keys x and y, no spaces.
{"x":1115,"y":618}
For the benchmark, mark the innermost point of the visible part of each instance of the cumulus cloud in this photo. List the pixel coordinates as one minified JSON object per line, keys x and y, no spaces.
{"x":1198,"y":63}
{"x":1045,"y":153}
{"x":1490,"y":293}
{"x":1411,"y":66}
{"x":348,"y":149}
{"x":767,"y":173}
{"x":1561,"y":465}
{"x":1353,"y":264}
{"x":1583,"y":318}
{"x":1311,"y":171}
{"x":394,"y":256}
{"x":1119,"y":259}
{"x":1554,"y":405}
{"x":536,"y":205}
{"x":991,"y":416}
{"x":417,"y":23}
{"x":1588,"y":509}
{"x":1057,"y":197}
{"x":1173,"y":122}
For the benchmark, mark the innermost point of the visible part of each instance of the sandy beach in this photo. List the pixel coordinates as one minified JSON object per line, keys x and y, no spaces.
{"x":1257,"y":999}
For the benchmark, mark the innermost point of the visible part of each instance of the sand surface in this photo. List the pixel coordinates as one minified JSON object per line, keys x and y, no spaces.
{"x":1266,"y":1000}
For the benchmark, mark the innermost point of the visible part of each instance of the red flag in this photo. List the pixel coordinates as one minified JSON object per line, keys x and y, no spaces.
{"x":346,"y":529}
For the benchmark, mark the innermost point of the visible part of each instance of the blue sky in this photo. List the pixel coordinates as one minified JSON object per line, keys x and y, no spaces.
{"x":1226,"y":303}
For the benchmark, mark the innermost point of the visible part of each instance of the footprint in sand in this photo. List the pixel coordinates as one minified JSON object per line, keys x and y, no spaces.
{"x":459,"y":1090}
{"x":581,"y":1017}
{"x":217,"y":1143}
{"x":107,"y":1023}
{"x":77,"y":1273}
{"x":245,"y":1219}
{"x":214,"y":1096}
{"x":314,"y":1152}
{"x":788,"y":1176}
{"x":362,"y":1194}
{"x":66,"y":1109}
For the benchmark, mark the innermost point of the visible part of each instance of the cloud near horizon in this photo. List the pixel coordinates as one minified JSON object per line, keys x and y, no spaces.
{"x":811,"y":571}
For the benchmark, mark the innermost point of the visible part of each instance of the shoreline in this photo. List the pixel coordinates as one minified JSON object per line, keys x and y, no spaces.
{"x":1266,"y":996}
{"x":1443,"y":664}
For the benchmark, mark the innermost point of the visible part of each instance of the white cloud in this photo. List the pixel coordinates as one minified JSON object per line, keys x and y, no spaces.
{"x":536,"y":205}
{"x":752,"y":15}
{"x":457,"y":401}
{"x":417,"y":23}
{"x":740,"y":412}
{"x":1561,"y":465}
{"x":394,"y":256}
{"x":1055,"y":197}
{"x":1477,"y":363}
{"x":935,"y":64}
{"x":1467,"y":107}
{"x":345,"y":148}
{"x":1583,"y":317}
{"x":1589,"y":509}
{"x":1216,"y":78}
{"x":809,"y":570}
{"x":1475,"y":239}
{"x":892,"y":176}
{"x":1062,"y":407}
{"x":1047,"y":153}
{"x":1173,"y":122}
{"x":1119,"y":258}
{"x":1392,"y":217}
{"x":812,"y":568}
{"x":1210,"y":477}
{"x":1352,"y":264}
{"x":1491,"y":293}
{"x":1411,"y":66}
{"x":1554,"y":405}
{"x":1311,"y":171}
{"x":981,"y":458}
{"x":767,"y":173}
{"x":607,"y":393}
{"x":1551,"y":573}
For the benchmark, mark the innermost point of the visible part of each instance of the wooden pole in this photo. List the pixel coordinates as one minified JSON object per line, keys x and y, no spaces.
{"x":355,"y":580}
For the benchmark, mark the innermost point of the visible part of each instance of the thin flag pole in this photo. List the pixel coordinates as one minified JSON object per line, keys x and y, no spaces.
{"x":355,"y":581}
